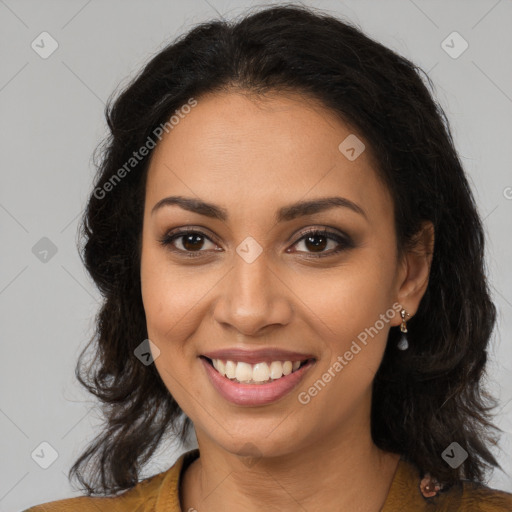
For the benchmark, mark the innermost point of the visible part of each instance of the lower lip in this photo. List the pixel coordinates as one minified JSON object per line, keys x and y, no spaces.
{"x":255,"y":394}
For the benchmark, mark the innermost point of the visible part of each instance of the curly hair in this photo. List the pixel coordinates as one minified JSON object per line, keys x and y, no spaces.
{"x":424,"y":398}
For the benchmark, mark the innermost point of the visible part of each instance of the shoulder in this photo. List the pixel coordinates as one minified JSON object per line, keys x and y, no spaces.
{"x":412,"y":491}
{"x":468,"y":496}
{"x":140,"y":498}
{"x":480,"y":498}
{"x":156,"y":493}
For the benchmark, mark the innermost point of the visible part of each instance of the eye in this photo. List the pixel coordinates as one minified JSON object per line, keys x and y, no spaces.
{"x":317,"y":240}
{"x":190,"y":243}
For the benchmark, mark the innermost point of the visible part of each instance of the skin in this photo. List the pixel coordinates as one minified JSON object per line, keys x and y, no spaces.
{"x":252,"y":156}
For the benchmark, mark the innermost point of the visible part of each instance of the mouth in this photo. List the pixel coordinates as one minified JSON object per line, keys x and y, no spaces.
{"x":263,"y":372}
{"x":247,"y":384}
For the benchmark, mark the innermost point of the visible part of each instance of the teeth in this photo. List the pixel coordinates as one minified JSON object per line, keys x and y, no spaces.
{"x":230,"y":370}
{"x":255,"y":373}
{"x":276,"y":369}
{"x":243,"y":372}
{"x":260,"y":373}
{"x":287,"y":367}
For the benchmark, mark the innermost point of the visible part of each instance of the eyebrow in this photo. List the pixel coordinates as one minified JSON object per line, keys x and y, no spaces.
{"x":286,"y":213}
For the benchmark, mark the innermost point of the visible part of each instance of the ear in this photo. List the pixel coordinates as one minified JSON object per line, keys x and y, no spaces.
{"x":414,"y":271}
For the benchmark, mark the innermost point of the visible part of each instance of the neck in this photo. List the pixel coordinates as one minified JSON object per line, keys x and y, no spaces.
{"x":348,"y":473}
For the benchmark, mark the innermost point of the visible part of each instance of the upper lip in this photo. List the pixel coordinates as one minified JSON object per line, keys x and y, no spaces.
{"x":257,"y":356}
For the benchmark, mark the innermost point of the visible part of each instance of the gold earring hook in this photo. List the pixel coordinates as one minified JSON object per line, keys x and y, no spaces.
{"x":403,"y":326}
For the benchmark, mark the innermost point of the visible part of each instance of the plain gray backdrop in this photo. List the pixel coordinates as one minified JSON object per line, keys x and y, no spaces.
{"x":51,"y":121}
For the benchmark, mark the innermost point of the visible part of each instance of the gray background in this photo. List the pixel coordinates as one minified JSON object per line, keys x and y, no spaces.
{"x":51,"y":121}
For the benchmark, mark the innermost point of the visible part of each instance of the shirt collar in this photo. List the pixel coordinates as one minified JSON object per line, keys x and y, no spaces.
{"x":404,"y":488}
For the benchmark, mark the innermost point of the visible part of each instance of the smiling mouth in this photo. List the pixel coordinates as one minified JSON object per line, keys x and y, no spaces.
{"x":259,"y":373}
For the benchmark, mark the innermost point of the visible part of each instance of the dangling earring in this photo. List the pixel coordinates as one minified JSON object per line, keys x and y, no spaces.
{"x":403,"y":344}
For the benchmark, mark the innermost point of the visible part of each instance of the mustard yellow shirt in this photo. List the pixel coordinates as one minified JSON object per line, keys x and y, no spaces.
{"x":160,"y":493}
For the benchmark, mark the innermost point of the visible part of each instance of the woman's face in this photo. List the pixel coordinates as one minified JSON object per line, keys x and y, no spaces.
{"x":253,"y":280}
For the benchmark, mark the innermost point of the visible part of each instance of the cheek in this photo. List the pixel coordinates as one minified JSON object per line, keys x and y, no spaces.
{"x":350,"y":297}
{"x":352,"y":309}
{"x":174,"y":298}
{"x":154,"y":292}
{"x":161,"y":295}
{"x":170,"y":317}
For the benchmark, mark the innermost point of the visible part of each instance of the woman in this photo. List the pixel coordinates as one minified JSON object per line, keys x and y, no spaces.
{"x":292,"y":262}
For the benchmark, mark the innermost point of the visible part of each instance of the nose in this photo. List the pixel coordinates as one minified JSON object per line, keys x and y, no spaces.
{"x":253,"y":297}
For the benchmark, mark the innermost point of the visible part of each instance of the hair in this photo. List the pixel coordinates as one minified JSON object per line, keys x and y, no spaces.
{"x":424,"y":398}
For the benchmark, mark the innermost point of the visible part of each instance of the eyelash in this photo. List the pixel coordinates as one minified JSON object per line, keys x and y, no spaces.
{"x":344,"y":241}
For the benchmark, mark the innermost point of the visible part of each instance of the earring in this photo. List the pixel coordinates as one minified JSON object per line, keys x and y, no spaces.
{"x":403,"y":344}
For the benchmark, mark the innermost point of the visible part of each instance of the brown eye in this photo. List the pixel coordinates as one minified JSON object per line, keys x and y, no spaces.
{"x":191,"y":243}
{"x":316,"y":241}
{"x":187,"y":242}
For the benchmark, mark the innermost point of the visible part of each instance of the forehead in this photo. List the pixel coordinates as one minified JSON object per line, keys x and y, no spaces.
{"x":248,"y":153}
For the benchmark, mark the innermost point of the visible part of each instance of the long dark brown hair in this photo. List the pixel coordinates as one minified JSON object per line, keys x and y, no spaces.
{"x":424,"y":398}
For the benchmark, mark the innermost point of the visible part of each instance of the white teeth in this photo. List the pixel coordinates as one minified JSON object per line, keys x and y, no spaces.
{"x":230,"y":369}
{"x":243,"y":371}
{"x":260,"y":372}
{"x":287,"y":367}
{"x":256,"y":373}
{"x":276,"y":369}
